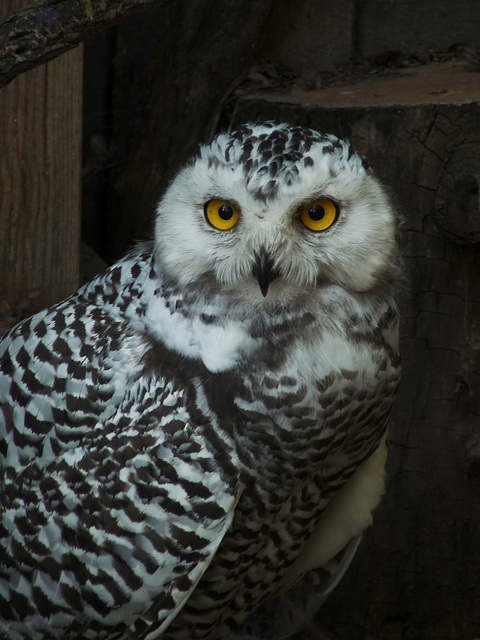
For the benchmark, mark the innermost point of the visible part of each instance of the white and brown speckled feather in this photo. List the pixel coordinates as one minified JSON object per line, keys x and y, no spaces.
{"x":177,"y":448}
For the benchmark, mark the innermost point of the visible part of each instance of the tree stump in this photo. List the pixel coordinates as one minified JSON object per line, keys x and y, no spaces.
{"x":417,"y":574}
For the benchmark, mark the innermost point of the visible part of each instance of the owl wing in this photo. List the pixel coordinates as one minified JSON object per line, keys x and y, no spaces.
{"x":61,"y":372}
{"x":112,"y":502}
{"x":107,"y":538}
{"x":344,"y":520}
{"x":325,"y":557}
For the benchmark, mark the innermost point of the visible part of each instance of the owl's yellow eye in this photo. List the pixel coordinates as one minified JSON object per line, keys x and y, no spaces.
{"x":220,"y":214}
{"x":319,"y":215}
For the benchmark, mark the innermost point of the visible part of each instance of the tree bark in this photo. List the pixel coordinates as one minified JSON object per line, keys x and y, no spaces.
{"x":40,"y":32}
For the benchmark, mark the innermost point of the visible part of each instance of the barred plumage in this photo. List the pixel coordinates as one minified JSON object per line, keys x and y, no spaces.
{"x":179,"y":444}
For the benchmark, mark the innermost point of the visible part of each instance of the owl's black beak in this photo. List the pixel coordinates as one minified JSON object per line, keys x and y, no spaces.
{"x":264,"y":271}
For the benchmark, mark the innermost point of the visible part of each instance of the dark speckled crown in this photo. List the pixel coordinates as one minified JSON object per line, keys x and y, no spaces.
{"x":271,"y":154}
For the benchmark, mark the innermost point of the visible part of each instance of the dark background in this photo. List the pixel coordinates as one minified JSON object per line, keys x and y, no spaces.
{"x":402,"y":81}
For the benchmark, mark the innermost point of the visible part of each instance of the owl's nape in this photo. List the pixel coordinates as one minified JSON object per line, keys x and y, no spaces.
{"x":203,"y":426}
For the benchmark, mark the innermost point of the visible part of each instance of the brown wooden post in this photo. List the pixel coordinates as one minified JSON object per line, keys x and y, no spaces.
{"x":40,"y":172}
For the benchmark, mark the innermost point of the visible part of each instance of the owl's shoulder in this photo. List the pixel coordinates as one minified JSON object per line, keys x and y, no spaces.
{"x":69,"y":367}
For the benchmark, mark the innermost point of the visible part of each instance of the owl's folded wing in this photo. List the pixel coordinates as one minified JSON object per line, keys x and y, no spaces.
{"x":62,"y":371}
{"x":326,"y":556}
{"x":111,"y":507}
{"x":112,"y":537}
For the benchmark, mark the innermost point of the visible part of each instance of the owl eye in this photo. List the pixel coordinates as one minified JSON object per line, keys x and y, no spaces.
{"x":220,"y":214}
{"x":319,"y":215}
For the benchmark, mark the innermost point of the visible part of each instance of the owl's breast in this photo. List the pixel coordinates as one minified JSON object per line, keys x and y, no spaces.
{"x":316,"y":398}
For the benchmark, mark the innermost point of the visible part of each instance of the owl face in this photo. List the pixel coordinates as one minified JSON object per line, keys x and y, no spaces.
{"x":274,"y":211}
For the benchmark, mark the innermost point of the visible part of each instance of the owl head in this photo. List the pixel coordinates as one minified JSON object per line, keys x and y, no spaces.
{"x":271,"y":210}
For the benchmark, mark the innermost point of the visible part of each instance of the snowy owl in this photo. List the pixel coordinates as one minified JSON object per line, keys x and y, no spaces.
{"x":205,"y":423}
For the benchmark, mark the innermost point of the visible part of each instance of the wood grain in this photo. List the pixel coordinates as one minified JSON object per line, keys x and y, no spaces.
{"x":40,"y":170}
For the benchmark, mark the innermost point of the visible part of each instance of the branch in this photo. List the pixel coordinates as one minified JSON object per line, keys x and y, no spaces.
{"x":46,"y":29}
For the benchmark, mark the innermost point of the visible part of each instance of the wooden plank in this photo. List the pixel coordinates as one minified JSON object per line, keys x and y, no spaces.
{"x":40,"y":172}
{"x":408,"y":26}
{"x":309,"y":36}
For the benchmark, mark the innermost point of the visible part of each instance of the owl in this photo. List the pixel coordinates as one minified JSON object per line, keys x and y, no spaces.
{"x":205,"y":423}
